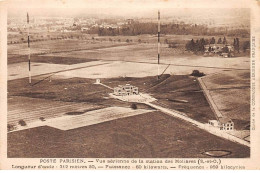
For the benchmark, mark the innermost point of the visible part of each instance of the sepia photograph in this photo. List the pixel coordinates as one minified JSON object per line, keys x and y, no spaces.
{"x":145,"y":84}
{"x":129,"y":80}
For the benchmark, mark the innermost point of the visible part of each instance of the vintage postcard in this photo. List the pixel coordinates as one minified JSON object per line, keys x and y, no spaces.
{"x":127,"y":84}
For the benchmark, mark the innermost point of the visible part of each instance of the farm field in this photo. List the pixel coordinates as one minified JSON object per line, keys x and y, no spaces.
{"x":31,"y":109}
{"x":166,"y":90}
{"x":109,"y":69}
{"x":93,"y":117}
{"x":86,"y":40}
{"x":57,"y":98}
{"x":231,"y":92}
{"x":47,"y":59}
{"x":59,"y":46}
{"x":143,"y":136}
{"x":228,"y":79}
{"x":115,"y":49}
{"x":148,"y":53}
{"x":39,"y":70}
{"x":73,"y":52}
{"x":184,"y":94}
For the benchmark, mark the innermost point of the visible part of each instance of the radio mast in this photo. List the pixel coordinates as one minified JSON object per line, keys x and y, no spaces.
{"x":159,"y":44}
{"x":29,"y":51}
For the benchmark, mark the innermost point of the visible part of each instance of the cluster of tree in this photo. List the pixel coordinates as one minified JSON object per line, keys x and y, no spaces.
{"x":126,"y":30}
{"x":197,"y":73}
{"x":137,"y":28}
{"x":212,"y":41}
{"x":198,"y":45}
{"x":236,"y":44}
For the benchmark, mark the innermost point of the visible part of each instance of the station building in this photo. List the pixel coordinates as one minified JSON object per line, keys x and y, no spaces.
{"x":123,"y":90}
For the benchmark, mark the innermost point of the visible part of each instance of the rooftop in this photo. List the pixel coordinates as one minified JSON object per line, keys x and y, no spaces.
{"x":224,"y":120}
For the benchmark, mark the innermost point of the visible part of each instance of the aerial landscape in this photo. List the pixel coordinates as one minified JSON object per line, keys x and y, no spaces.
{"x":154,"y":84}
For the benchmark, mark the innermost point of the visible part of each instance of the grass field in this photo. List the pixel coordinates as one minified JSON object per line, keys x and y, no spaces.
{"x":172,"y":88}
{"x":148,"y":135}
{"x":68,"y":91}
{"x":144,"y":136}
{"x":228,"y":79}
{"x":90,"y":51}
{"x":131,"y":52}
{"x":88,"y":118}
{"x":52,"y":46}
{"x":166,"y":90}
{"x":31,"y":109}
{"x":183,"y":87}
{"x":48,"y":59}
{"x":70,"y":52}
{"x":231,"y":92}
{"x":86,"y":41}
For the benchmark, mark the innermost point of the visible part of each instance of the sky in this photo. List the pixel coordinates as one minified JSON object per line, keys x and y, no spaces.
{"x":226,"y":10}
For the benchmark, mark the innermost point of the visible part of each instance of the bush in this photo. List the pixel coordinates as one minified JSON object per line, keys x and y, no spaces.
{"x":42,"y":118}
{"x":133,"y":106}
{"x":10,"y":127}
{"x":22,"y":122}
{"x":197,"y":73}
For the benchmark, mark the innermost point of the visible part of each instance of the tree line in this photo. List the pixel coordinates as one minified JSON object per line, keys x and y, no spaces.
{"x":137,"y":28}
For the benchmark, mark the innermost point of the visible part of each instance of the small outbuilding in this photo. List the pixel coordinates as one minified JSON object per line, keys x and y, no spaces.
{"x":223,"y":123}
{"x":214,"y":123}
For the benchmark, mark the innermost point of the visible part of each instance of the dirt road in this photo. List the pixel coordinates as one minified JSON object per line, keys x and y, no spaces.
{"x":205,"y":127}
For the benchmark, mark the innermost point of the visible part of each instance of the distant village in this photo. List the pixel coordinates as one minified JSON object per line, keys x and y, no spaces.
{"x":60,"y":24}
{"x":70,"y":24}
{"x":114,"y":27}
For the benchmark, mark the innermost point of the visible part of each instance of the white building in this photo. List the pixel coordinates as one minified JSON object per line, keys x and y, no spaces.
{"x":218,"y":48}
{"x":84,"y":29}
{"x":127,"y":89}
{"x":223,"y":123}
{"x":226,"y":124}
